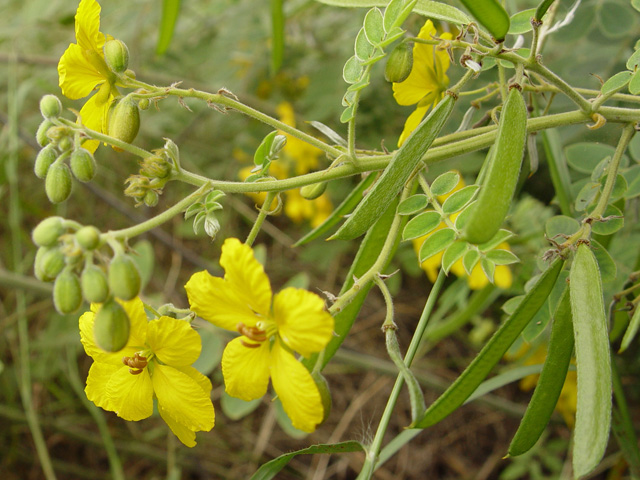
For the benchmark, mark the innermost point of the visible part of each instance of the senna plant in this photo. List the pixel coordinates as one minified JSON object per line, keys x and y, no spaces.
{"x":393,"y":198}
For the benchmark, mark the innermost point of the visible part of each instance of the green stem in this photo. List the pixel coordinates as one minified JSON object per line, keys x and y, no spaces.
{"x":150,"y":224}
{"x":372,"y":453}
{"x":612,"y":172}
{"x":351,"y":139}
{"x":534,"y":41}
{"x":434,"y":202}
{"x":264,"y":211}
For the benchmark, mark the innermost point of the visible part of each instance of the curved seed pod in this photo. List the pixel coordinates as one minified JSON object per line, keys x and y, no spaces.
{"x":111,"y":326}
{"x":67,"y":295}
{"x":542,"y":9}
{"x":593,"y":361}
{"x":325,"y":393}
{"x":397,"y":172}
{"x":491,"y":15}
{"x":493,"y":351}
{"x":124,"y":278}
{"x":501,"y":178}
{"x":545,"y":397}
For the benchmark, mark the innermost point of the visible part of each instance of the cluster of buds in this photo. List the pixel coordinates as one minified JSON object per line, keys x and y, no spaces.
{"x":60,"y":143}
{"x":69,"y":255}
{"x":155,"y":171}
{"x":203,"y":214}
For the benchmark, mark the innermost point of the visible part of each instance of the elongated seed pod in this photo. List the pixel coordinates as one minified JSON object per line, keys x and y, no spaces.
{"x":545,"y":397}
{"x":542,"y":9}
{"x":501,"y":178}
{"x":494,"y":350}
{"x":491,"y":15}
{"x":397,"y":172}
{"x":593,"y":362}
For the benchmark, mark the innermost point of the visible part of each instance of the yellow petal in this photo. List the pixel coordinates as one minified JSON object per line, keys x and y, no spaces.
{"x":477,"y":280}
{"x":182,"y":398}
{"x":173,"y":341}
{"x":97,"y":380}
{"x":502,"y":277}
{"x":246,"y":370}
{"x":131,"y":395}
{"x":303,"y":323}
{"x":139,"y":322}
{"x":95,"y":352}
{"x":200,"y":379}
{"x":185,"y":435}
{"x":296,"y":389}
{"x":77,"y":76}
{"x":88,"y":33}
{"x":93,"y":115}
{"x":412,"y":122}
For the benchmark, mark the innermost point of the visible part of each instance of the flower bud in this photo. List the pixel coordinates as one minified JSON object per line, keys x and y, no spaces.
{"x":41,"y":134}
{"x":151,"y":198}
{"x":311,"y":192}
{"x":116,"y":54}
{"x":143,"y":104}
{"x":58,"y":182}
{"x":94,"y":284}
{"x":111,"y":327}
{"x":47,"y":231}
{"x":124,"y":278}
{"x":50,"y":106}
{"x":279,"y":141}
{"x":124,"y":120}
{"x":88,"y":238}
{"x":67,"y":294}
{"x":155,"y":166}
{"x":83,"y":165}
{"x":44,"y":159}
{"x":49,"y":262}
{"x":399,"y":64}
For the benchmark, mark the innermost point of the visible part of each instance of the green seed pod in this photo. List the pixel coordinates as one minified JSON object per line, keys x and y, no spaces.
{"x":50,"y":106}
{"x":94,"y":284}
{"x":47,"y":231}
{"x":41,"y":134}
{"x":67,"y":294}
{"x":311,"y":192}
{"x":124,"y":278}
{"x":124,"y":120}
{"x":111,"y":327}
{"x":502,"y":174}
{"x":49,"y":263}
{"x":399,"y":64}
{"x":325,"y":394}
{"x":88,"y":238}
{"x":116,"y":54}
{"x":83,"y":165}
{"x":44,"y":159}
{"x":58,"y":183}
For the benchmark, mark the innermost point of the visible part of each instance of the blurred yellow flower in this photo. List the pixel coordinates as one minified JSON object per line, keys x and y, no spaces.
{"x":272,"y":328}
{"x":502,"y":276}
{"x":155,"y":363}
{"x":82,"y":69}
{"x":427,"y":81}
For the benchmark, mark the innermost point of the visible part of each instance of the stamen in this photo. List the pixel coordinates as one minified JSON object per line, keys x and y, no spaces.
{"x":137,"y":363}
{"x":254,"y":333}
{"x":249,"y":345}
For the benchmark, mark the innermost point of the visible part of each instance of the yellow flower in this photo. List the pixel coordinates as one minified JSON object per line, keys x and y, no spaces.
{"x":82,"y":69}
{"x":156,"y":362}
{"x":271,"y":327}
{"x":477,"y":280}
{"x":427,"y":81}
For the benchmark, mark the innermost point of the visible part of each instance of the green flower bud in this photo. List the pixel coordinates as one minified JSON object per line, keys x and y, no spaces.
{"x":399,"y":64}
{"x":49,"y":262}
{"x":41,"y":134}
{"x":67,"y":294}
{"x":111,"y":327}
{"x":47,"y":231}
{"x":311,"y":192}
{"x":143,"y":104}
{"x":65,"y":143}
{"x":116,"y":54}
{"x":151,"y":198}
{"x":124,"y":278}
{"x":44,"y":159}
{"x":88,"y":238}
{"x":58,"y":182}
{"x":50,"y":106}
{"x":124,"y":120}
{"x":83,"y":165}
{"x":94,"y":284}
{"x":155,"y":167}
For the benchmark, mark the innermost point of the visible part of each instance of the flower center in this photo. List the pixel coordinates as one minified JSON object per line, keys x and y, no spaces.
{"x":137,"y":363}
{"x":252,"y":333}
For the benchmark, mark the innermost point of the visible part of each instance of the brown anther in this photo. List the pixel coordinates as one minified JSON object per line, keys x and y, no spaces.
{"x":253,"y":333}
{"x":249,"y":345}
{"x":137,"y":363}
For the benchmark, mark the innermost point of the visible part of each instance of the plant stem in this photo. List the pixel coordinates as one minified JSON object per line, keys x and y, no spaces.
{"x":264,"y":211}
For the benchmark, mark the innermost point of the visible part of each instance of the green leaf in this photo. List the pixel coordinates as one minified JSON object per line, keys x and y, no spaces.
{"x":270,"y":469}
{"x":285,"y":422}
{"x":445,"y":183}
{"x":583,"y":157}
{"x":436,"y":242}
{"x":421,"y":225}
{"x":452,"y":254}
{"x":458,"y":200}
{"x":352,"y":70}
{"x":502,"y":257}
{"x":607,"y":266}
{"x":328,"y":132}
{"x":561,"y":225}
{"x":359,"y":85}
{"x":634,"y":61}
{"x":373,"y":28}
{"x":470,"y":260}
{"x":631,"y":331}
{"x":634,"y":148}
{"x":619,"y":188}
{"x":636,"y":4}
{"x":211,"y":352}
{"x":586,"y":195}
{"x":170,"y":11}
{"x":277,"y":35}
{"x":144,"y":260}
{"x":615,"y":19}
{"x":521,"y":22}
{"x":235,"y":409}
{"x":500,"y":237}
{"x":597,"y":172}
{"x":363,"y":48}
{"x":615,"y":83}
{"x":413,"y":204}
{"x":347,"y":114}
{"x":632,"y":176}
{"x":488,"y":267}
{"x":610,"y":226}
{"x":262,"y":152}
{"x":391,"y":13}
{"x":491,"y":15}
{"x":464,"y":216}
{"x":634,"y":84}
